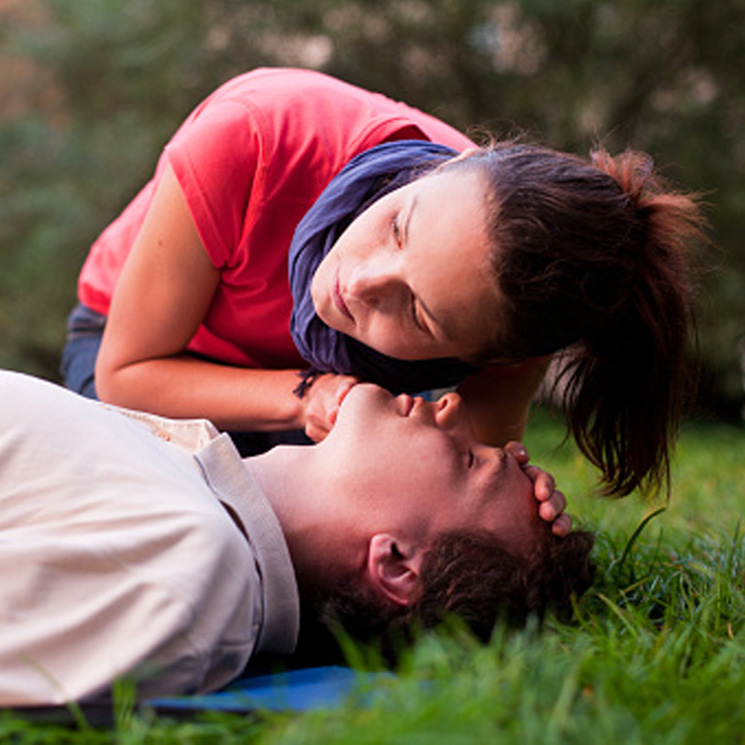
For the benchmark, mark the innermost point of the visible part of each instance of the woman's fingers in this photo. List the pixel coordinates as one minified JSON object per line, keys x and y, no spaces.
{"x":554,"y":506}
{"x":322,"y":401}
{"x":553,"y":503}
{"x":518,"y":451}
{"x":562,"y":525}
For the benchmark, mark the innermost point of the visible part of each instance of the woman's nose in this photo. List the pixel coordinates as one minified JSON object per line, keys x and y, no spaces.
{"x":374,"y":284}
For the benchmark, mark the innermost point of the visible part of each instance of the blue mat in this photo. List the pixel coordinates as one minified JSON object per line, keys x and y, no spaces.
{"x":295,"y":690}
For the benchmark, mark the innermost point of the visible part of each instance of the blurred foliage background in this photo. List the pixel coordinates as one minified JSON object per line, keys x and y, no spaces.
{"x":91,"y":90}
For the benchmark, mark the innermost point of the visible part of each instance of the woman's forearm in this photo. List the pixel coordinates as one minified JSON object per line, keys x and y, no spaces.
{"x":498,"y":401}
{"x":184,"y":386}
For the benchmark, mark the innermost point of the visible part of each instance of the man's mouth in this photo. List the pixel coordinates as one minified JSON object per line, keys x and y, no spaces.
{"x":407,"y":403}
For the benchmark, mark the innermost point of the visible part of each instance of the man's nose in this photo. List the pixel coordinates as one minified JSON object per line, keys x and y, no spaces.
{"x":450,"y":411}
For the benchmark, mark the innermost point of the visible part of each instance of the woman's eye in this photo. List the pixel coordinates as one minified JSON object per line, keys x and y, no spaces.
{"x":415,"y":315}
{"x":396,"y":230}
{"x":471,"y":459}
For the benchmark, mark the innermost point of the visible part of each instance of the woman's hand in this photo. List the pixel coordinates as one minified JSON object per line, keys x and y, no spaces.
{"x":553,"y":502}
{"x":322,"y":400}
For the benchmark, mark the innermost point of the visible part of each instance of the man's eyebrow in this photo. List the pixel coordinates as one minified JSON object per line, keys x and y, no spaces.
{"x":497,"y":475}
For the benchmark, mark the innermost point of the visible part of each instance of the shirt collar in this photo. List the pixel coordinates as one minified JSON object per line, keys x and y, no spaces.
{"x":227,"y":475}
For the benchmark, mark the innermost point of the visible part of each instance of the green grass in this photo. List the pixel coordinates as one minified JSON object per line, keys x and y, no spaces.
{"x":655,"y":655}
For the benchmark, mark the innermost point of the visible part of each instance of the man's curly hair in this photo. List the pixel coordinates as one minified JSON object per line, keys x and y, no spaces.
{"x":469,"y":575}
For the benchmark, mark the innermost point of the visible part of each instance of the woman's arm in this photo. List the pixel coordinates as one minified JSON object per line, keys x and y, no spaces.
{"x":163,"y":294}
{"x":498,"y":401}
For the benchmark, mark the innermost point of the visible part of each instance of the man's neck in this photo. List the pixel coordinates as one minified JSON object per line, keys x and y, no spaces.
{"x":283,"y":474}
{"x":320,"y":539}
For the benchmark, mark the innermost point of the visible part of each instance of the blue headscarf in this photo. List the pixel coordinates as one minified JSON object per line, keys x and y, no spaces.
{"x":365,"y":179}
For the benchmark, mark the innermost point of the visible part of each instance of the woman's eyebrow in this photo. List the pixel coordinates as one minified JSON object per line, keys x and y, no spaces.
{"x":407,"y":224}
{"x":444,"y":328}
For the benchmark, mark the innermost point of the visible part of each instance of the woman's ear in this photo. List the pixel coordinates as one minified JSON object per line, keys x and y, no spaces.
{"x":393,"y":567}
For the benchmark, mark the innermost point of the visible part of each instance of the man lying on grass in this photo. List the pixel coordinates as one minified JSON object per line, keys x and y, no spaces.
{"x":137,"y":546}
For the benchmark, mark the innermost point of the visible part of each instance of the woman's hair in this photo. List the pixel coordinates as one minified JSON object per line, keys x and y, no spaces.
{"x":591,"y":258}
{"x":469,"y":575}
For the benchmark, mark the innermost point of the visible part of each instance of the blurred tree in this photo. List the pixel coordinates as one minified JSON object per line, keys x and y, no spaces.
{"x":106,"y":81}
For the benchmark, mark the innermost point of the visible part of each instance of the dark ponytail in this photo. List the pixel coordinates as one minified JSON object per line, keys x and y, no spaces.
{"x":592,"y":258}
{"x":635,"y":378}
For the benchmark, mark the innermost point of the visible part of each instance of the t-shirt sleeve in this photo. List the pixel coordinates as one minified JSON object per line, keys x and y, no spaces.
{"x":215,"y":158}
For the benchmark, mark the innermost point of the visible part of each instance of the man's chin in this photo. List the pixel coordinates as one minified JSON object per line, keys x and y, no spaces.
{"x":367,"y":395}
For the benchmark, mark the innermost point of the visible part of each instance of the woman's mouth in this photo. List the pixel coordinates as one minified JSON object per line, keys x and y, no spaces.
{"x":338,"y":300}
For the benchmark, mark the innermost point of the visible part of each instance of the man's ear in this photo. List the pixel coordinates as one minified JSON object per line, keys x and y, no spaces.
{"x":393,"y":567}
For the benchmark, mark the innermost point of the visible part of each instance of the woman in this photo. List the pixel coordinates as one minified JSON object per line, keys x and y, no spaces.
{"x":417,"y":261}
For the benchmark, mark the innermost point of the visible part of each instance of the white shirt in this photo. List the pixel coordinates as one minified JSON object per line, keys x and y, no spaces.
{"x":119,"y":558}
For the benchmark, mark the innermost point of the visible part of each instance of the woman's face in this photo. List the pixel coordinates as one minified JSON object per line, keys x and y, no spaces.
{"x":411,"y":276}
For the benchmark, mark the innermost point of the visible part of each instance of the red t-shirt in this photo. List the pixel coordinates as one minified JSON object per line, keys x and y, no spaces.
{"x":251,"y":160}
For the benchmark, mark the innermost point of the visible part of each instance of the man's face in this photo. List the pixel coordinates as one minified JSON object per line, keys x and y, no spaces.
{"x":415,"y":467}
